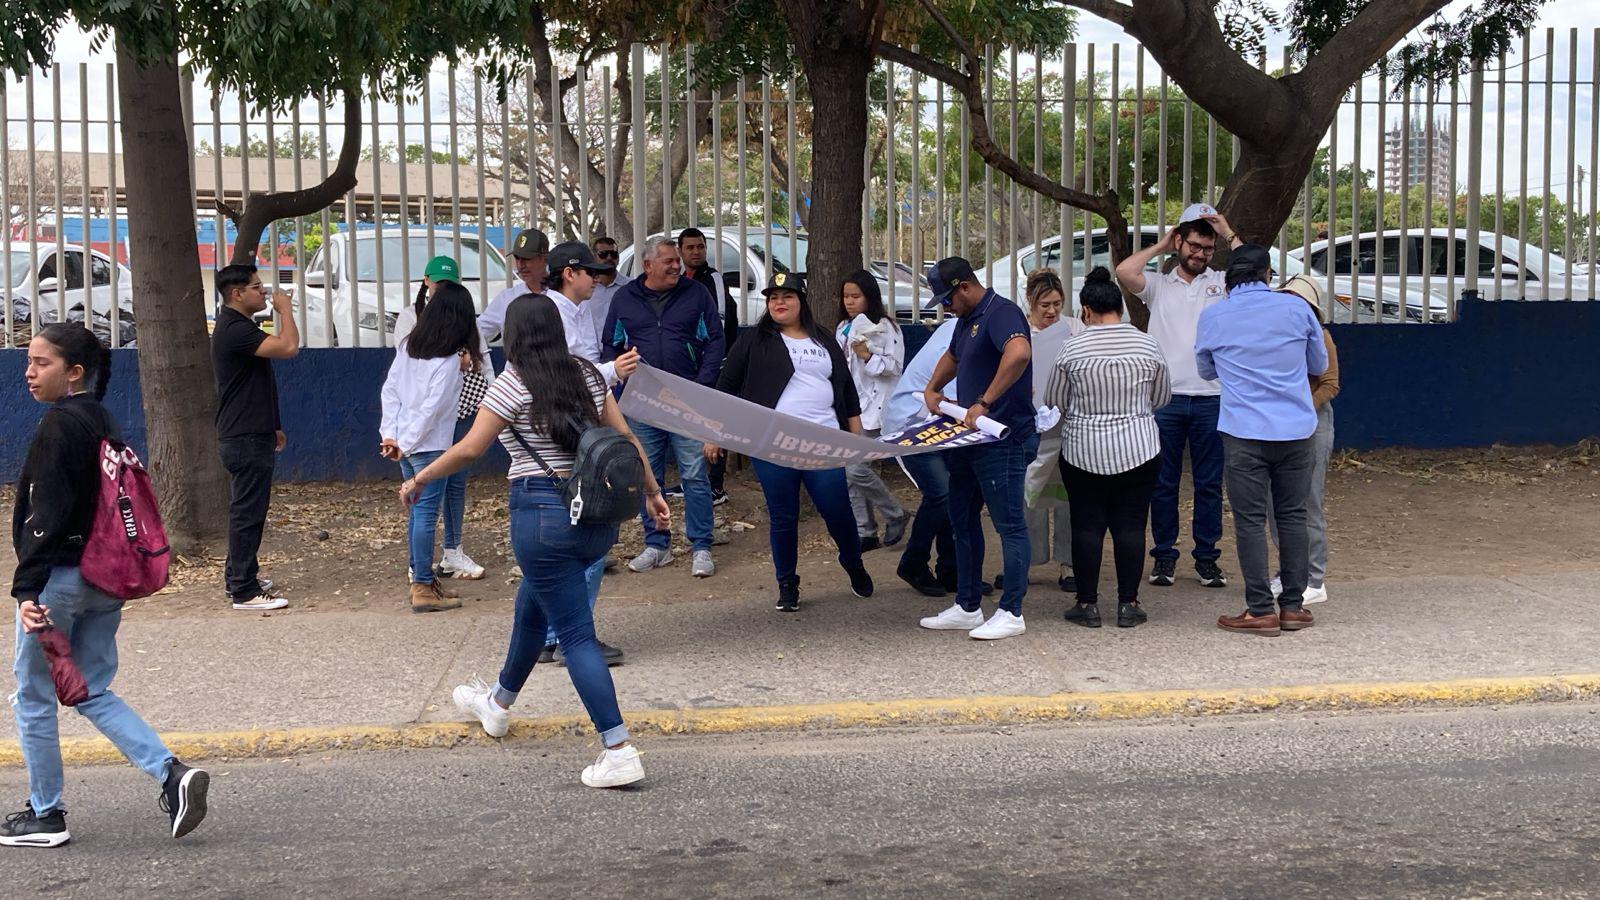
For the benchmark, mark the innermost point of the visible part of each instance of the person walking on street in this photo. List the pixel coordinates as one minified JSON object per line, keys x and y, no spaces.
{"x":930,"y":525}
{"x":420,"y":398}
{"x":789,"y":363}
{"x":1324,"y":388}
{"x":476,"y":373}
{"x":249,"y":430}
{"x":530,"y":258}
{"x":573,"y":274}
{"x":57,"y":495}
{"x":552,"y":551}
{"x":991,"y":356}
{"x":1108,"y":382}
{"x":1264,"y":347}
{"x":675,"y":326}
{"x":1047,"y":299}
{"x":1175,"y":300}
{"x":696,"y":266}
{"x":876,"y":352}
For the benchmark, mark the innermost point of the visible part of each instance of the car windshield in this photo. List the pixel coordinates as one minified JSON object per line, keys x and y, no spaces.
{"x":475,"y":263}
{"x":788,"y":253}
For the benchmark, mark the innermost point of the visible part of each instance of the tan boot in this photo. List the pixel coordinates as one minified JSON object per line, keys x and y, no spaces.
{"x":425,"y":598}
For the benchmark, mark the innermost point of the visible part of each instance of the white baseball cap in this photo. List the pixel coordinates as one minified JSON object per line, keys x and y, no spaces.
{"x":1196,"y":211}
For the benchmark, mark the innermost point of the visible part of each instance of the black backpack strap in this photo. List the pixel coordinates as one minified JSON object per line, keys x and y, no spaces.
{"x":533,"y":453}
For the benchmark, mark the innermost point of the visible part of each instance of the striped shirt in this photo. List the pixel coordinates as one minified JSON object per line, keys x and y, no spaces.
{"x":1108,"y":382}
{"x":509,"y":399}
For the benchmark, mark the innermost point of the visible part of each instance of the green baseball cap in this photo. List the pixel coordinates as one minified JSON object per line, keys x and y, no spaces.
{"x":442,"y":268}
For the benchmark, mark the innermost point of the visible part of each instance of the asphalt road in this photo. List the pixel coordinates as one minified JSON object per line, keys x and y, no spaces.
{"x":1463,"y":803}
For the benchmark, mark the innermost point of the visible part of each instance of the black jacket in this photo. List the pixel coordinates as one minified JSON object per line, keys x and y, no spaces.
{"x":57,"y":491}
{"x":758,"y":368}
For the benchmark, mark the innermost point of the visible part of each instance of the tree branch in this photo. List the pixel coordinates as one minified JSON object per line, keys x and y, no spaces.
{"x":1110,"y":10}
{"x":261,"y":210}
{"x":1356,"y":47}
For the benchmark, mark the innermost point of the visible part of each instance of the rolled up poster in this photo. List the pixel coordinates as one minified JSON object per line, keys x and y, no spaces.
{"x":985,"y":424}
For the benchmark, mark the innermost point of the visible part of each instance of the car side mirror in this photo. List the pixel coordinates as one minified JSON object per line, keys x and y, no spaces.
{"x":49,"y":285}
{"x":315,"y":279}
{"x":1509,"y":270}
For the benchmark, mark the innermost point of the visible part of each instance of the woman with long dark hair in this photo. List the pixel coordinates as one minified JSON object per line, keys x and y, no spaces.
{"x":68,"y":368}
{"x":1108,"y":382}
{"x":789,"y":363}
{"x":420,"y":398}
{"x":876,"y":353}
{"x":552,"y":552}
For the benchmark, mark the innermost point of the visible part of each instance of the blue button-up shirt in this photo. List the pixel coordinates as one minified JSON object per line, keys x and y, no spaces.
{"x":905,"y":407}
{"x":1263,"y":346}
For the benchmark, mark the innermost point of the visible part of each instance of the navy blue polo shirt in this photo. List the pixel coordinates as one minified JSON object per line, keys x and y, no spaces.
{"x":980,"y":339}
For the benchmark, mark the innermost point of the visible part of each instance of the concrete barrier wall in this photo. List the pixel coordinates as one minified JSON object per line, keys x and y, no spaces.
{"x":1517,"y":373}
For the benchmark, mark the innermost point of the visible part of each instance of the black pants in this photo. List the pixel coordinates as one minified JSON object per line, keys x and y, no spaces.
{"x":1121,"y":503}
{"x":718,"y":473}
{"x":1275,"y":474}
{"x":249,"y":460}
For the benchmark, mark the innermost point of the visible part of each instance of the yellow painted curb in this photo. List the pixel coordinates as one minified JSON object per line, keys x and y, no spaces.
{"x":937,"y":711}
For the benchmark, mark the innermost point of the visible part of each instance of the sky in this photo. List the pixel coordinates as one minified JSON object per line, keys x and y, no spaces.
{"x":76,"y":59}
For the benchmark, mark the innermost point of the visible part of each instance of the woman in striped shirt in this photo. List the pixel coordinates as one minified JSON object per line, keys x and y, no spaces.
{"x":1108,"y":382}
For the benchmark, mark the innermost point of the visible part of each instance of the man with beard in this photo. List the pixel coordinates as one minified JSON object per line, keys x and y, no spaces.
{"x":1175,"y":300}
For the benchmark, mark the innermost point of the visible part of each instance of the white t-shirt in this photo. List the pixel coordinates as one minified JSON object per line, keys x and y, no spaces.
{"x":809,"y":394}
{"x":1175,"y":308}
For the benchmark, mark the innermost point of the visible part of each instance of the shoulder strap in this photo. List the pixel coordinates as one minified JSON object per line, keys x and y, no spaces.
{"x":533,"y":453}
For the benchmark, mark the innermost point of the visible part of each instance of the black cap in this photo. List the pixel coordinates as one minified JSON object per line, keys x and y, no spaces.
{"x":576,"y":254}
{"x":944,"y":275}
{"x":530,"y":243}
{"x":1249,"y":258}
{"x":785,"y":281}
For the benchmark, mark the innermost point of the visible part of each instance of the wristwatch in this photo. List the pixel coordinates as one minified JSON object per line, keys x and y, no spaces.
{"x":981,"y":402}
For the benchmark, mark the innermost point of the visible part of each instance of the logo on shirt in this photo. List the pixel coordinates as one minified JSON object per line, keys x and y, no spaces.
{"x":1213,"y":290}
{"x":974,"y":332}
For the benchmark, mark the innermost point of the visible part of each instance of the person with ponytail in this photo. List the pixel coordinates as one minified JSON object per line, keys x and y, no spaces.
{"x":1108,"y":381}
{"x":57,"y":493}
{"x":552,"y":552}
{"x":876,"y":352}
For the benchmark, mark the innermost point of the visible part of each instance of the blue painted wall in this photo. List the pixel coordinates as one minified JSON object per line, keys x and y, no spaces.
{"x":1516,"y":373}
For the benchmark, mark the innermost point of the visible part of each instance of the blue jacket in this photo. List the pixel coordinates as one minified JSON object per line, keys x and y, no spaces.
{"x":685,"y":340}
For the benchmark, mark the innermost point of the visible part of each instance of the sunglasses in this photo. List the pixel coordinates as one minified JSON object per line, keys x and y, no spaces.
{"x":950,"y":297}
{"x":607,"y":254}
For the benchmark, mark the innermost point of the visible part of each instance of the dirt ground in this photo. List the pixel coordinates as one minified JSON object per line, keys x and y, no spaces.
{"x":1502,"y":511}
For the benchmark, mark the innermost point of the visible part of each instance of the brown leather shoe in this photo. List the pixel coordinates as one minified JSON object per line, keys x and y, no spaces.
{"x":425,"y":598}
{"x":1295,"y":620}
{"x":1266,"y":626}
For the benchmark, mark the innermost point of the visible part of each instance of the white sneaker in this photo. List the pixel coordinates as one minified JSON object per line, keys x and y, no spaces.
{"x":473,"y":699}
{"x":1000,"y":625}
{"x":651,"y":558}
{"x":614,"y":768}
{"x":954,"y":619}
{"x":1316,"y":595}
{"x":263,"y":602}
{"x":457,"y":564}
{"x":703,"y":566}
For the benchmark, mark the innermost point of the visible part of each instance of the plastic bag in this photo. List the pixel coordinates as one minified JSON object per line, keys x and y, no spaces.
{"x":71,"y":689}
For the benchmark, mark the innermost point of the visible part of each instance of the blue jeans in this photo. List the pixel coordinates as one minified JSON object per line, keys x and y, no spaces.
{"x":424,"y":516}
{"x":930,"y":528}
{"x":455,"y":496}
{"x":1192,"y":420}
{"x":554,"y":555}
{"x":991,"y":475}
{"x":830,"y":493}
{"x":591,"y":583}
{"x":690,"y":456}
{"x":89,"y":619}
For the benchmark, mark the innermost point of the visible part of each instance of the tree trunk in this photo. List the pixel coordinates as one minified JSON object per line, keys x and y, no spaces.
{"x":839,"y":144}
{"x":1264,"y":187}
{"x":178,"y":384}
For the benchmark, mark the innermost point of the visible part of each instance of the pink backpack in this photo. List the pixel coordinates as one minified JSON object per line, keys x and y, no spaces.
{"x":127,"y":553}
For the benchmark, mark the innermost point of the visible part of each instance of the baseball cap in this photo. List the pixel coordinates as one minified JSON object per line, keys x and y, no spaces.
{"x":530,"y":243}
{"x":1249,"y":258}
{"x":1194,"y":212}
{"x":578,"y":255}
{"x":944,"y":275}
{"x":442,"y":268}
{"x":785,"y":281}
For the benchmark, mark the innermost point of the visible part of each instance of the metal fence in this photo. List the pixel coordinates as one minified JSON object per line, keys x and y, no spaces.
{"x":1503,"y":160}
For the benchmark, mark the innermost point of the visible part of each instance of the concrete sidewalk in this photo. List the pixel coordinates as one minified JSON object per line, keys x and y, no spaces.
{"x":225,"y":673}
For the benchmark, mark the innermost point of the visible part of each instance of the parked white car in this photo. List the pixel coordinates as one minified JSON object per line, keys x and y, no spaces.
{"x":787,"y":255}
{"x":34,"y":283}
{"x":1525,"y":271}
{"x":329,"y":275}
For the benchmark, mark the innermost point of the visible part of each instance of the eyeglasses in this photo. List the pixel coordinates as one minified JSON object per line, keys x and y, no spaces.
{"x":607,"y":254}
{"x":1201,"y":249}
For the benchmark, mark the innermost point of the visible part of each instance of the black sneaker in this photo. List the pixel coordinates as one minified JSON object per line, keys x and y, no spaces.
{"x":895,"y":531}
{"x":1164,"y":572}
{"x":1000,"y":582}
{"x":860,"y":582}
{"x":183,"y":797}
{"x":1130,"y":614}
{"x":612,"y":655}
{"x":1085,"y":614}
{"x":717,"y":497}
{"x":549,"y":654}
{"x":870,"y":543}
{"x":788,"y":596}
{"x":1210,"y":575}
{"x":947,"y":579}
{"x":922,"y":581}
{"x":29,"y":829}
{"x":1068,"y":584}
{"x":266,"y":588}
{"x":673,"y":493}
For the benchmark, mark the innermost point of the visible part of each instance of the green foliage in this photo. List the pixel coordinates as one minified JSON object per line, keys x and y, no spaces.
{"x":1446,"y":47}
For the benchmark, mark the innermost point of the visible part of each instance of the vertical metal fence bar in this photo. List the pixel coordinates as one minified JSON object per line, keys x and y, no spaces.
{"x":1211,"y":159}
{"x":327,"y":219}
{"x":1404,"y":260}
{"x":1546,"y":197}
{"x":1382,"y":188}
{"x":1522,"y":178}
{"x":580,"y":162}
{"x":636,"y":82}
{"x":402,"y":139}
{"x":5,"y":191}
{"x":111,"y":199}
{"x":607,"y":142}
{"x":558,"y":178}
{"x":299,"y":232}
{"x":746,"y":296}
{"x":1011,"y":184}
{"x":941,"y":231}
{"x":1425,"y":259}
{"x":1038,"y":153}
{"x":1188,"y":147}
{"x":1499,"y":178}
{"x":866,"y":189}
{"x":988,"y":171}
{"x":891,"y":206}
{"x":1332,"y":208}
{"x":717,"y":236}
{"x":1113,"y":120}
{"x":377,"y":231}
{"x":1572,"y":159}
{"x":1594,"y":159}
{"x":690,"y":120}
{"x":32,"y":214}
{"x":1138,"y":148}
{"x":83,"y":199}
{"x":791,"y":130}
{"x":916,"y":193}
{"x":455,"y":164}
{"x":1355,"y":204}
{"x":666,"y":138}
{"x":530,"y":139}
{"x":63,"y":274}
{"x":1069,"y":165}
{"x":219,"y":223}
{"x":1161,"y":158}
{"x":428,"y":208}
{"x":478,"y":164}
{"x":272,"y":188}
{"x":766,"y":173}
{"x":1088,"y":159}
{"x":1474,"y":182}
{"x":964,"y":149}
{"x":1453,"y":142}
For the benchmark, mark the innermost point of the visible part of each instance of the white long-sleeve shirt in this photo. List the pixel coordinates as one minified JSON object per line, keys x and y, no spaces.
{"x":583,"y":337}
{"x":876,"y":376}
{"x":419,"y":402}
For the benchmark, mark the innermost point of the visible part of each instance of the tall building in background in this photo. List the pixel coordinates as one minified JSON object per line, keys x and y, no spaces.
{"x":1419,"y":167}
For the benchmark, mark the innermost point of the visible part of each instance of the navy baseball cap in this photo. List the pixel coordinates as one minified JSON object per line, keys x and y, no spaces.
{"x":944,"y":275}
{"x":785,"y":281}
{"x":577,"y":254}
